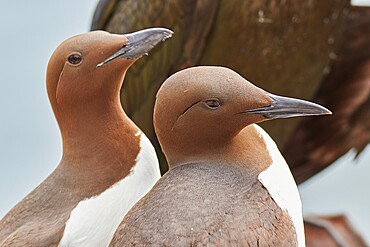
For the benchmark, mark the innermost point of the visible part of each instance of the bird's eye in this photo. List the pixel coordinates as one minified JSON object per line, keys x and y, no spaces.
{"x":212,"y":103}
{"x":75,"y":59}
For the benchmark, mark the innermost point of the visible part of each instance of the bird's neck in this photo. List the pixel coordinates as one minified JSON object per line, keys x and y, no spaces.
{"x":246,"y":150}
{"x":101,"y":137}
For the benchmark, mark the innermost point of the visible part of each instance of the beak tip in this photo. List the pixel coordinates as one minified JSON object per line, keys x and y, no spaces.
{"x":168,"y":34}
{"x":140,"y":43}
{"x":327,"y":112}
{"x":285,"y":107}
{"x":323,"y":110}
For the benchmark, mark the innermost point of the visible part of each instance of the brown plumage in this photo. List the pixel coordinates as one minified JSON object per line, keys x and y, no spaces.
{"x":206,"y":204}
{"x":214,"y":193}
{"x":100,"y":143}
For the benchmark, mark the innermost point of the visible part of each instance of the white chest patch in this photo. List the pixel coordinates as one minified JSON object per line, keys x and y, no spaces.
{"x":94,"y":220}
{"x":279,"y":182}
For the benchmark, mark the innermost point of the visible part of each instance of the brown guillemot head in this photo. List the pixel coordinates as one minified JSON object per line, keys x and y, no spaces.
{"x":85,"y":74}
{"x":202,"y":108}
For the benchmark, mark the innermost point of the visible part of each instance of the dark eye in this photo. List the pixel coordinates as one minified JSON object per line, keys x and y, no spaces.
{"x":74,"y":59}
{"x":212,"y":103}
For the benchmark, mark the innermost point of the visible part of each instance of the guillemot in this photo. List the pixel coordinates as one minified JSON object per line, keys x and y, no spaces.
{"x":108,"y":163}
{"x":228,"y":184}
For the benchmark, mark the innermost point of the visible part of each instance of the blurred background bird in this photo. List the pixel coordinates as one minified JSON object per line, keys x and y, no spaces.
{"x":309,"y":49}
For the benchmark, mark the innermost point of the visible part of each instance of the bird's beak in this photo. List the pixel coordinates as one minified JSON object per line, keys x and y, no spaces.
{"x":140,"y":43}
{"x":284,"y":107}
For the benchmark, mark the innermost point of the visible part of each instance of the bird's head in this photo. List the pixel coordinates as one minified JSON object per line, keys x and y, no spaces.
{"x":85,"y":72}
{"x":203,"y":108}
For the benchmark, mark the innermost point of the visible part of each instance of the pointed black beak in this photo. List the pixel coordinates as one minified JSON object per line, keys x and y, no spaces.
{"x":284,"y":107}
{"x":140,"y":43}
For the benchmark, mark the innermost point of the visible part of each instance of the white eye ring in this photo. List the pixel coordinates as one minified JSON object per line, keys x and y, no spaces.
{"x":213,"y":103}
{"x":74,"y":59}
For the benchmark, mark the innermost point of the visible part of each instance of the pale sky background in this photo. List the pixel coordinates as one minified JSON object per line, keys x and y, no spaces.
{"x":30,"y":143}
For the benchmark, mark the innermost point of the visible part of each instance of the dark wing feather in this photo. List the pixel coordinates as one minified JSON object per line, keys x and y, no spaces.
{"x":283,"y":46}
{"x":346,"y":92}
